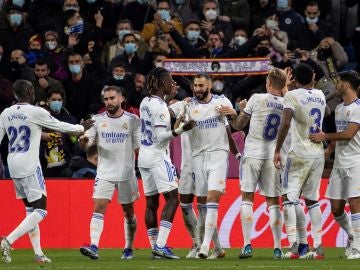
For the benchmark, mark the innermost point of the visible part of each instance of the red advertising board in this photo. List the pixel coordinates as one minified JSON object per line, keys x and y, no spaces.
{"x":70,"y":208}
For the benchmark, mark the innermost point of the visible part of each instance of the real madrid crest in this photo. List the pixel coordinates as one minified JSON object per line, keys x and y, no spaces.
{"x":125,"y":126}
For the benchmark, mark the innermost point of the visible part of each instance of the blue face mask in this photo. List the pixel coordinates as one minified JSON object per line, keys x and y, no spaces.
{"x":77,"y":28}
{"x":130,"y":48}
{"x":15,"y":19}
{"x":91,"y":1}
{"x":165,"y":14}
{"x":19,"y":3}
{"x":122,"y":33}
{"x":180,"y":2}
{"x":55,"y":106}
{"x":75,"y":69}
{"x":118,"y":77}
{"x":193,"y":35}
{"x":142,"y":2}
{"x":282,"y":4}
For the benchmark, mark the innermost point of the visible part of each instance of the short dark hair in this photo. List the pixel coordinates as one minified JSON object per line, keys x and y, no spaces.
{"x":22,"y":88}
{"x":55,"y":91}
{"x":115,"y":88}
{"x":161,"y":1}
{"x":117,"y":64}
{"x":312,"y":3}
{"x":91,"y":151}
{"x":125,"y":21}
{"x":351,"y":77}
{"x":41,"y":62}
{"x":202,"y":75}
{"x":127,"y":35}
{"x":303,"y":74}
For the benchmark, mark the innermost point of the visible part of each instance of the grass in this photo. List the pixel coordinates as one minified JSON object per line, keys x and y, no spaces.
{"x":69,"y":259}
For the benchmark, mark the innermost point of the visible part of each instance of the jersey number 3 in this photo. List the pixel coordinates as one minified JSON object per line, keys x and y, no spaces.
{"x":146,"y":138}
{"x":19,"y":139}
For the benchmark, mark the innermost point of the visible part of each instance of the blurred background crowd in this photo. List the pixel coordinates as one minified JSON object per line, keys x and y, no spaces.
{"x":71,"y":49}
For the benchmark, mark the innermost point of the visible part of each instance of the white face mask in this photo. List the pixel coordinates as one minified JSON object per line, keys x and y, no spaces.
{"x":239,"y":40}
{"x":211,"y":14}
{"x":51,"y":45}
{"x":312,"y":20}
{"x":158,"y":64}
{"x":272,"y":24}
{"x":218,"y":86}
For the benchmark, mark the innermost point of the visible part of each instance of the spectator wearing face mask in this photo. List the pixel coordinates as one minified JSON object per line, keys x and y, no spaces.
{"x":56,"y":148}
{"x":15,"y":32}
{"x":35,"y":50}
{"x":118,"y":76}
{"x":211,"y":21}
{"x":325,"y":7}
{"x":315,"y":29}
{"x":278,"y":39}
{"x":54,"y":55}
{"x":133,"y":62}
{"x":19,"y":68}
{"x":159,"y":25}
{"x":259,"y":11}
{"x":289,"y":19}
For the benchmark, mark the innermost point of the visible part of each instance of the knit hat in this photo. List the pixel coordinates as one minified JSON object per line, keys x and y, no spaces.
{"x":52,"y":33}
{"x":36,"y":37}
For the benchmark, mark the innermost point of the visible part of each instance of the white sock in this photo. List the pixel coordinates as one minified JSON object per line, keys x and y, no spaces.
{"x":164,"y":230}
{"x":344,"y":223}
{"x":275,"y":224}
{"x":316,"y":223}
{"x":28,"y":224}
{"x":290,"y":221}
{"x":190,"y":219}
{"x":300,"y":223}
{"x":200,"y":226}
{"x":129,"y":229}
{"x":355,"y":222}
{"x":34,"y":235}
{"x":210,"y":222}
{"x":96,"y":228}
{"x":152,"y":235}
{"x":247,"y":218}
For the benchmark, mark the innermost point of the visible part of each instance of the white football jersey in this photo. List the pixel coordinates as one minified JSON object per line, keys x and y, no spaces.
{"x":209,"y":133}
{"x":155,"y":118}
{"x":23,"y":125}
{"x":185,"y":142}
{"x":308,"y":107}
{"x":116,"y":138}
{"x":266,"y":112}
{"x":347,"y":153}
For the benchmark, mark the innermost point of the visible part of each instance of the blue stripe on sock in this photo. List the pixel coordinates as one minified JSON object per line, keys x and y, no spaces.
{"x":313,"y":206}
{"x":287,"y":203}
{"x":166,"y":224}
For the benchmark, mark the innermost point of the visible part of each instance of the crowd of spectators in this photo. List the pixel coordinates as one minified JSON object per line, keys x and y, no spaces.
{"x":71,"y":49}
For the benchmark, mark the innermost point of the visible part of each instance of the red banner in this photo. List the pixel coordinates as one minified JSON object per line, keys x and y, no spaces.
{"x":70,"y":208}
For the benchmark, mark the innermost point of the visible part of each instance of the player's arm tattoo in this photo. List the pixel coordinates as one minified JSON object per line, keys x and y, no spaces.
{"x":241,"y":121}
{"x":284,"y":128}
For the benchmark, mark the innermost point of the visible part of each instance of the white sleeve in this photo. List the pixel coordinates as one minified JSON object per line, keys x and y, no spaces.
{"x":355,"y":115}
{"x":91,"y":133}
{"x":43,"y":118}
{"x":289,"y":101}
{"x":250,"y":105}
{"x":2,"y":129}
{"x":136,"y":134}
{"x":175,"y":107}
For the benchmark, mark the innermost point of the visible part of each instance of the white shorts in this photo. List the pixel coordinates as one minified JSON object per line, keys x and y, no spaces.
{"x":302,"y":177}
{"x":344,"y":183}
{"x":31,"y":187}
{"x":159,"y":179}
{"x":127,"y":190}
{"x":260,"y":172}
{"x":210,"y":172}
{"x":186,"y":181}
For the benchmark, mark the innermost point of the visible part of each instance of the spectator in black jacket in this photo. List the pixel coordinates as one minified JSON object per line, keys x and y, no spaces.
{"x":82,"y":91}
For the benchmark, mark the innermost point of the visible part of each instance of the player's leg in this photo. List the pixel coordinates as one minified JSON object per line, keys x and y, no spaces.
{"x":250,"y":170}
{"x":34,"y":236}
{"x":301,"y":237}
{"x":190,"y":220}
{"x":152,"y":205}
{"x":127,"y":193}
{"x":354,"y":203}
{"x":103,"y":192}
{"x":270,"y":187}
{"x":311,"y":193}
{"x":33,"y":189}
{"x":166,"y":183}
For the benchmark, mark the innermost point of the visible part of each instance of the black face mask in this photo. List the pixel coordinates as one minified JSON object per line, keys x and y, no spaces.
{"x":262,"y":51}
{"x":15,"y":66}
{"x":323,"y":54}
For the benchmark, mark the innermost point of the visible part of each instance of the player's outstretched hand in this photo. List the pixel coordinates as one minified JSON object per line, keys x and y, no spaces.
{"x":87,"y":123}
{"x":277,"y":160}
{"x":226,"y":110}
{"x":317,"y":137}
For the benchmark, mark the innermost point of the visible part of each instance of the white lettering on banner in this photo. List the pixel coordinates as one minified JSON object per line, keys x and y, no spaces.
{"x":233,"y":212}
{"x":247,"y":66}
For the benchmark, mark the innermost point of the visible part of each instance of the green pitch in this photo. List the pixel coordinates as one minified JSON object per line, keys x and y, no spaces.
{"x":69,"y":259}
